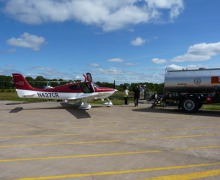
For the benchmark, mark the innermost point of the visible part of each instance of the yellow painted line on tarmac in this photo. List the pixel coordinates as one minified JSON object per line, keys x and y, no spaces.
{"x":79,"y":127}
{"x":80,"y":156}
{"x":187,"y":136}
{"x":86,"y":122}
{"x":4,"y":125}
{"x":120,"y":172}
{"x":122,"y":132}
{"x":198,"y":147}
{"x":188,"y":176}
{"x":190,"y":128}
{"x":58,"y":128}
{"x":68,"y":134}
{"x":61,"y":143}
{"x":63,"y":123}
{"x":41,"y":135}
{"x":176,"y":137}
{"x":100,"y":155}
{"x":103,"y":141}
{"x":114,"y":132}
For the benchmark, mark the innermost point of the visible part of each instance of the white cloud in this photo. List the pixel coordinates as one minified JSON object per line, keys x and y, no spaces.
{"x":199,"y":52}
{"x":138,"y":41}
{"x":117,"y":60}
{"x":111,"y":71}
{"x":195,"y":66}
{"x":174,"y":67}
{"x":192,"y":66}
{"x":27,"y":40}
{"x":175,"y":6}
{"x":8,"y":69}
{"x":108,"y":14}
{"x":48,"y":72}
{"x":195,"y":53}
{"x":130,"y":64}
{"x":124,"y":16}
{"x":94,"y":64}
{"x":159,"y":61}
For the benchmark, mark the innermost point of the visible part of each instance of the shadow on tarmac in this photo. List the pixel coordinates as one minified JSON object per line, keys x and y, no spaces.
{"x":78,"y":113}
{"x":176,"y":111}
{"x":16,"y":110}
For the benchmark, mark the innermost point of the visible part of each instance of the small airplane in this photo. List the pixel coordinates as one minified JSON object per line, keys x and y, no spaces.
{"x":81,"y":91}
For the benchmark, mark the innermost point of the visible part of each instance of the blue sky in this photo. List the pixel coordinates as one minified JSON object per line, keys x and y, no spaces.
{"x":124,"y":40}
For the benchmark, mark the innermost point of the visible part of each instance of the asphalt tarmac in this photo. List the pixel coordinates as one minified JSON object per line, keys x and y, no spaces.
{"x":52,"y":140}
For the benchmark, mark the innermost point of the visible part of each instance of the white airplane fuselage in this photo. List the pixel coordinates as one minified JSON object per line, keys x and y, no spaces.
{"x":82,"y":91}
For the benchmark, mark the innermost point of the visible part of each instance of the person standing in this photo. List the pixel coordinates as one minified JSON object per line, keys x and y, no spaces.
{"x":126,"y":92}
{"x":136,"y":95}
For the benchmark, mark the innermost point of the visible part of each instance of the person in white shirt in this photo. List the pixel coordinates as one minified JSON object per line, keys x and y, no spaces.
{"x":126,"y":92}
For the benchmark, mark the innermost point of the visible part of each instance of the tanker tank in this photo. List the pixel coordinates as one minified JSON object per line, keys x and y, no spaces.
{"x":192,"y":81}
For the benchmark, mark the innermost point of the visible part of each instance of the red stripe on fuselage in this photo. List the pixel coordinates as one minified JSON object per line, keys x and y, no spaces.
{"x":103,"y":89}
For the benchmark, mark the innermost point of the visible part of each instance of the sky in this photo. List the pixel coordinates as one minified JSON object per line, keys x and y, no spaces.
{"x":128,"y":41}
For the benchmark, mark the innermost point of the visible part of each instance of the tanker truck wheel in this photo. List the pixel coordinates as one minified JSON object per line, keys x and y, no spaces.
{"x":200,"y":105}
{"x":189,"y":104}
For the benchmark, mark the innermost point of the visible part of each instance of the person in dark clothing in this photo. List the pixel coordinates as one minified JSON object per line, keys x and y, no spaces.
{"x":136,"y":95}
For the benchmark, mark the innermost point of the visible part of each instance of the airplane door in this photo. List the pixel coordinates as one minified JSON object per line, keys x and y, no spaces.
{"x":90,"y":87}
{"x":89,"y":77}
{"x":87,"y":87}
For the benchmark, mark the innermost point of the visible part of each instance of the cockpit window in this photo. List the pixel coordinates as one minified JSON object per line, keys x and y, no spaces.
{"x":74,"y":87}
{"x":95,"y":85}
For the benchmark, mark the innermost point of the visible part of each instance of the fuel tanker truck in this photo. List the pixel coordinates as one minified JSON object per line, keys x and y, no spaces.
{"x":190,"y":89}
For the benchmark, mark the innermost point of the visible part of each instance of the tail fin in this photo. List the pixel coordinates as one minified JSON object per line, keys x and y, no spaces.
{"x":20,"y":82}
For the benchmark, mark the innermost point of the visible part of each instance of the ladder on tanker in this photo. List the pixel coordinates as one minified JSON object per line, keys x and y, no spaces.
{"x":156,"y":101}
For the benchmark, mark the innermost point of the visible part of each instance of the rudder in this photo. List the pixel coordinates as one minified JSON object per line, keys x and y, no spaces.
{"x":20,"y":82}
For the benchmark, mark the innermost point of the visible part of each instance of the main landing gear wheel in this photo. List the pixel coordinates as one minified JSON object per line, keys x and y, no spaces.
{"x":189,"y":104}
{"x":108,"y":103}
{"x":84,"y":106}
